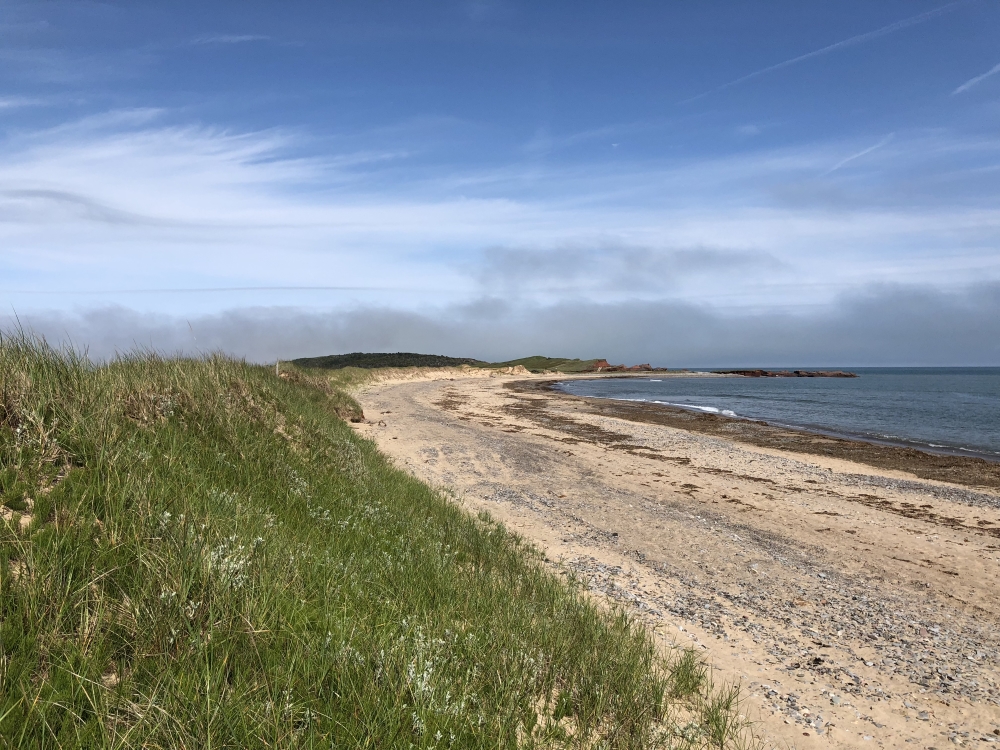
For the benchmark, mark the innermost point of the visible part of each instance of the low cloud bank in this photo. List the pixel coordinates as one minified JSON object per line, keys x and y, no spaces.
{"x":612,"y":267}
{"x":879,"y":326}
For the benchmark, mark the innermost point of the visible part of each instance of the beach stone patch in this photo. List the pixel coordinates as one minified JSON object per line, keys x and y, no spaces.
{"x":943,"y":662}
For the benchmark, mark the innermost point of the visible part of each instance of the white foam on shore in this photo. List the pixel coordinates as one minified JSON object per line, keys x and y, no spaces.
{"x":887,"y":438}
{"x":709,"y":409}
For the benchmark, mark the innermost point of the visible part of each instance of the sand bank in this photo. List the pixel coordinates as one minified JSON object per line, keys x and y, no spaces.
{"x":853,"y":591}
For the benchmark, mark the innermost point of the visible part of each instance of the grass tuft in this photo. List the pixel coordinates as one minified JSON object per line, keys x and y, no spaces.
{"x":687,"y":675}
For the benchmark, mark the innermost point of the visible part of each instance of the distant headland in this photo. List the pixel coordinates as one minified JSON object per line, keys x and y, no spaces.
{"x":535,"y":364}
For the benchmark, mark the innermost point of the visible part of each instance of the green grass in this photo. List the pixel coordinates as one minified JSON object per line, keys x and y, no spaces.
{"x":363,"y":361}
{"x":200,"y":554}
{"x":540,"y":364}
{"x":371,"y":361}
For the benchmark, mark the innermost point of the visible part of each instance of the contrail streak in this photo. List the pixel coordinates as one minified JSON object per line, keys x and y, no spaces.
{"x":858,"y":155}
{"x":973,"y":81}
{"x":852,"y":41}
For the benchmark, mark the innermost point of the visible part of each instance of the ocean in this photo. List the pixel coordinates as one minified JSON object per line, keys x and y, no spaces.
{"x":952,"y":410}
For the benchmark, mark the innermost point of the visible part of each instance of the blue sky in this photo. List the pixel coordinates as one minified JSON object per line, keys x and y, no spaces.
{"x":463,"y":176}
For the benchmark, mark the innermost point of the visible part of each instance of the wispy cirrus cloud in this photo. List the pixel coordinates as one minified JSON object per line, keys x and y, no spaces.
{"x":126,"y":201}
{"x":17,"y":102}
{"x":977,"y":79}
{"x":26,"y":205}
{"x":891,"y":28}
{"x":228,"y":38}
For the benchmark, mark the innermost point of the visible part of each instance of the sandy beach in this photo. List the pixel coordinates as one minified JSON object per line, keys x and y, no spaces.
{"x":851,"y":589}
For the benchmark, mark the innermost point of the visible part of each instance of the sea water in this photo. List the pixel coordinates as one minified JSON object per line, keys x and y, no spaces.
{"x":943,"y":410}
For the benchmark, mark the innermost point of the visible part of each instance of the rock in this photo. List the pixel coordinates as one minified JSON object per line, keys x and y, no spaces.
{"x":788,"y":373}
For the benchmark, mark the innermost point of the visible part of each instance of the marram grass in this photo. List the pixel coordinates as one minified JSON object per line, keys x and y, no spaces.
{"x":198,"y":554}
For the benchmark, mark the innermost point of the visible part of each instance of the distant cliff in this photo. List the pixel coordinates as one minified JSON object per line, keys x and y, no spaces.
{"x":602,"y":365}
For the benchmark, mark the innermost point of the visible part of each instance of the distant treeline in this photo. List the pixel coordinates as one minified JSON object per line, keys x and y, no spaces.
{"x":369,"y":361}
{"x":539,"y":363}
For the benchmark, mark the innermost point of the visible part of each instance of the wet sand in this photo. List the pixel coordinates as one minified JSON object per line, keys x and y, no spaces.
{"x":966,"y":470}
{"x":852,"y":589}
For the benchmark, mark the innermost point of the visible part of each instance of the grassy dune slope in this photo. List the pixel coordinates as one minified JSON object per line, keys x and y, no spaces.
{"x":199,"y":554}
{"x":539,"y":363}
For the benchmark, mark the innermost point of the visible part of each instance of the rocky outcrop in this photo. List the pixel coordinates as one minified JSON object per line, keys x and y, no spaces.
{"x":602,"y":365}
{"x":788,"y":373}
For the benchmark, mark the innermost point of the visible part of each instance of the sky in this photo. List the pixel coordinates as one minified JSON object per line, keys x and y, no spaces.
{"x":685,"y":184}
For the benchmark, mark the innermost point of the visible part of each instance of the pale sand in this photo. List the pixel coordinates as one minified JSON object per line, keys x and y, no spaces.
{"x":848,"y":623}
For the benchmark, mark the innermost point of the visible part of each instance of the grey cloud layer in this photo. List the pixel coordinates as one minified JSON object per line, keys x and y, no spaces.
{"x":882,"y":326}
{"x":610,"y":267}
